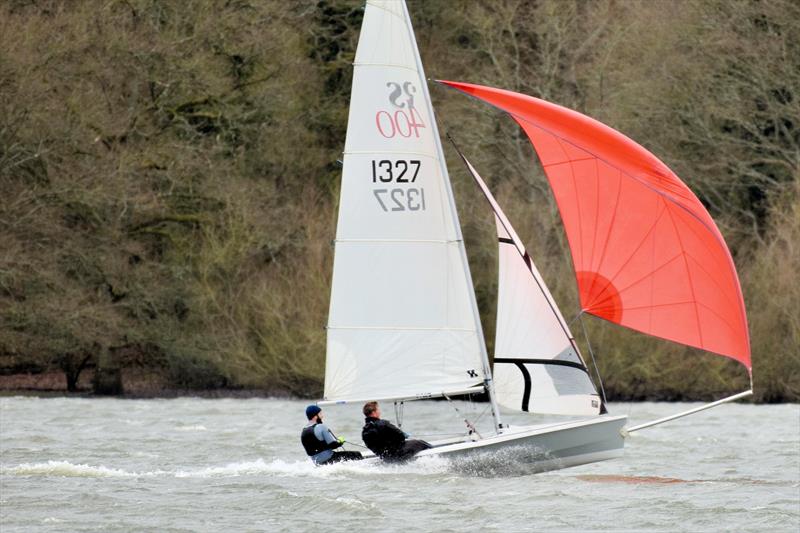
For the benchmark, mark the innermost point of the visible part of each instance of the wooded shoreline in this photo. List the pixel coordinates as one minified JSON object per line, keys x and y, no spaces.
{"x":170,"y":183}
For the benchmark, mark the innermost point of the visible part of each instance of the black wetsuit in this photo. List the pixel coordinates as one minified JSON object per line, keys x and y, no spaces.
{"x":389,"y":442}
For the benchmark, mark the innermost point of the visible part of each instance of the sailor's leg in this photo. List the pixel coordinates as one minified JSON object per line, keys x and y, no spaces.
{"x":416,"y":445}
{"x":411,"y":447}
{"x":344,"y":456}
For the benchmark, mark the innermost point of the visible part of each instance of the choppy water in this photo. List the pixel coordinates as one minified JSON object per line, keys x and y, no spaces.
{"x":197,"y":464}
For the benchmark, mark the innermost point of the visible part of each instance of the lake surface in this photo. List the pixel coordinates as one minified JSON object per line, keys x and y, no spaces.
{"x":204,"y":465}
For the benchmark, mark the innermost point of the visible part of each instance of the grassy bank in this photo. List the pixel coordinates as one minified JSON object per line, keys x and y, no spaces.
{"x":170,"y":183}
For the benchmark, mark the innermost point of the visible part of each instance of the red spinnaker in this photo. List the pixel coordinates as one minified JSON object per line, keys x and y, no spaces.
{"x":647,"y":254}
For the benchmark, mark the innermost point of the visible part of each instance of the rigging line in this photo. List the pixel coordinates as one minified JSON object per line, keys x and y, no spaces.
{"x":594,"y":362}
{"x":576,"y":318}
{"x":482,"y":413}
{"x":347,"y":441}
{"x":354,"y":444}
{"x":470,"y":425}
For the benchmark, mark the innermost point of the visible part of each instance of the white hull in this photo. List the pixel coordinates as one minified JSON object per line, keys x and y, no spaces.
{"x":541,"y":447}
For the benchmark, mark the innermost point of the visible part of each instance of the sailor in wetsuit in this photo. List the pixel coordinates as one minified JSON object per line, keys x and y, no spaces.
{"x":386,"y":440}
{"x":319,"y":442}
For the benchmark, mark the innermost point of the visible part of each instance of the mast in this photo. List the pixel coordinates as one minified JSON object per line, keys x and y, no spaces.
{"x":487,"y":369}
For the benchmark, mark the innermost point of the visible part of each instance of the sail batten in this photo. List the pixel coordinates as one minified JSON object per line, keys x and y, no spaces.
{"x":643,"y":246}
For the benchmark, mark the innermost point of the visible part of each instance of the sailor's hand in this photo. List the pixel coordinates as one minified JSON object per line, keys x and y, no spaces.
{"x":341,"y":440}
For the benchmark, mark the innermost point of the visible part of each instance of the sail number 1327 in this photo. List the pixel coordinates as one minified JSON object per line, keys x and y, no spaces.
{"x":399,"y":198}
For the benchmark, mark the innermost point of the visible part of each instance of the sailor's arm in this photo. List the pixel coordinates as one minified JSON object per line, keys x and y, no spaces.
{"x":323,"y":433}
{"x":395,"y":429}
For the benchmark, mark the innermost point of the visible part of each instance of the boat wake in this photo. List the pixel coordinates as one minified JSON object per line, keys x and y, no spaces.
{"x":514,"y":461}
{"x":259,"y":467}
{"x":507,"y":463}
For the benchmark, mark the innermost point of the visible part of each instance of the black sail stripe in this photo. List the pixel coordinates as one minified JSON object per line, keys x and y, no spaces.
{"x":557,"y":362}
{"x":505,"y":240}
{"x":528,"y":263}
{"x":526,"y":393}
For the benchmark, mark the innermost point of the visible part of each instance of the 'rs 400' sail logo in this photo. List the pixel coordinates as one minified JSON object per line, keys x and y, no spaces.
{"x":402,"y":117}
{"x":397,"y":188}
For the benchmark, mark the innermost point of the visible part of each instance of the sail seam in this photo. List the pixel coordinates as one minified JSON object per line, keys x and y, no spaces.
{"x":630,"y":258}
{"x":400,"y":328}
{"x":433,"y":241}
{"x":689,"y":277}
{"x":394,"y":65}
{"x":402,"y":152}
{"x":596,"y":304}
{"x":388,"y":11}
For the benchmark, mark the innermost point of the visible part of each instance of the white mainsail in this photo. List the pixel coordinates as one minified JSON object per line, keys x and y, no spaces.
{"x":403,"y":319}
{"x":537,"y":367}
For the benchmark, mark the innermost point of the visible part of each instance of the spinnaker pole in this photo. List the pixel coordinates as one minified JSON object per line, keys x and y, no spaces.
{"x":691,"y":411}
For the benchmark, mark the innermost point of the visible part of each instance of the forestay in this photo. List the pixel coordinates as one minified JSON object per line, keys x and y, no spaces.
{"x":537,"y":366}
{"x":403,"y":320}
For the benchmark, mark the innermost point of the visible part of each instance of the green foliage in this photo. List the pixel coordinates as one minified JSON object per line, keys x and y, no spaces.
{"x":170,"y":186}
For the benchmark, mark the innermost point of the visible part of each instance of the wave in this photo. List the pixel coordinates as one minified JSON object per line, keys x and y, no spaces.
{"x":259,"y":466}
{"x":67,"y":469}
{"x":196,"y":427}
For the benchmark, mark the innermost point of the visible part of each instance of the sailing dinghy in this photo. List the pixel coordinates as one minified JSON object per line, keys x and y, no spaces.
{"x":403,"y":322}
